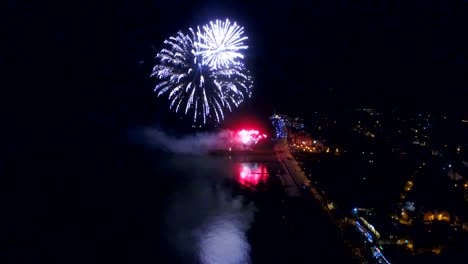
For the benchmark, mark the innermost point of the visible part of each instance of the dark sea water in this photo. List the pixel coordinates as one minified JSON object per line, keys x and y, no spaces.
{"x":108,"y":202}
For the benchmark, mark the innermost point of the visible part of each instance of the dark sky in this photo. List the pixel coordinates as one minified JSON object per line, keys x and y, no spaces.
{"x":75,"y":77}
{"x":87,"y":58}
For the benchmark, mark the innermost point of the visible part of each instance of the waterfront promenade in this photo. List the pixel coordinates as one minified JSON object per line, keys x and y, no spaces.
{"x":292,"y":167}
{"x":302,"y":183}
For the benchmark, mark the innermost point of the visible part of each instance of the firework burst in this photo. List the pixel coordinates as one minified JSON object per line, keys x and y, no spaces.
{"x":192,"y":82}
{"x":220,"y":43}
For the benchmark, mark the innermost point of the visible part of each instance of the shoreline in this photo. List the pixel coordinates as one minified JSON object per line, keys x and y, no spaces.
{"x":288,"y":161}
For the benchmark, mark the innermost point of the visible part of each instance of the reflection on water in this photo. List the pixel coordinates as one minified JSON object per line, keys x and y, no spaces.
{"x":224,"y":240}
{"x":251,"y":174}
{"x":205,"y":221}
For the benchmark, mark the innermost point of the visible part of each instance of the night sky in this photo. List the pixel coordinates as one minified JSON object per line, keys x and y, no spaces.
{"x":76,"y":79}
{"x":93,"y":60}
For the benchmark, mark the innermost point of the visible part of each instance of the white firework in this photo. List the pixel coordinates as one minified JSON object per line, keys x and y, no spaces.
{"x":220,"y":43}
{"x":197,"y":87}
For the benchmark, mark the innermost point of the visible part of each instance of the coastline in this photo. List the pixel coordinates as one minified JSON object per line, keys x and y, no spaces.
{"x":304,"y":185}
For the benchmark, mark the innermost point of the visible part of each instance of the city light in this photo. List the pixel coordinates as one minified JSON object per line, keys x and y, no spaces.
{"x":404,"y":215}
{"x":280,"y":126}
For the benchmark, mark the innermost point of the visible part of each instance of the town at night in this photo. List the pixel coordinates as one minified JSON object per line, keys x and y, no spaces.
{"x":234,"y":132}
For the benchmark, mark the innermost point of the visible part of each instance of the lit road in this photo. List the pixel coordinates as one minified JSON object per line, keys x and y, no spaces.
{"x":295,"y":225}
{"x":296,"y":174}
{"x":292,"y":167}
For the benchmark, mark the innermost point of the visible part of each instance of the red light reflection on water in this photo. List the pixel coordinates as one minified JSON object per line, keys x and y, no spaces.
{"x":251,"y":174}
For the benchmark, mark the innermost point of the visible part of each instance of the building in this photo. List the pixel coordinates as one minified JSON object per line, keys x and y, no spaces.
{"x":300,"y":138}
{"x":382,"y":231}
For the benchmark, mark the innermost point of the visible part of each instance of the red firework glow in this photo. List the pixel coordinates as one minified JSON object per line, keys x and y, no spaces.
{"x":251,"y":174}
{"x":250,"y":136}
